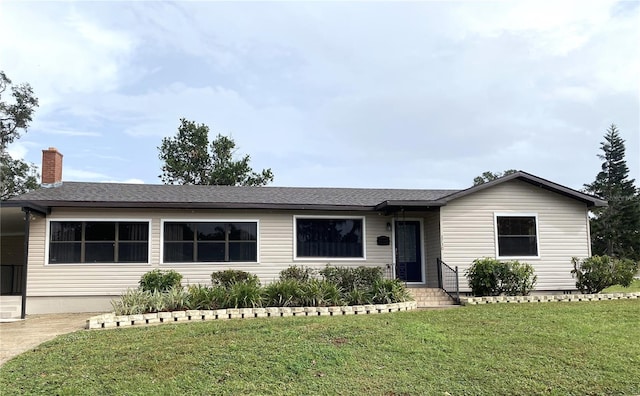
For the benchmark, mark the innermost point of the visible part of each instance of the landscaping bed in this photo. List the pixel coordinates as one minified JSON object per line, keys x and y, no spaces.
{"x":549,"y":298}
{"x":111,"y":320}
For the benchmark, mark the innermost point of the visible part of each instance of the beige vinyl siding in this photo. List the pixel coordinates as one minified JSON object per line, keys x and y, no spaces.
{"x":432,"y":247}
{"x":275,"y":249}
{"x":468,"y":230}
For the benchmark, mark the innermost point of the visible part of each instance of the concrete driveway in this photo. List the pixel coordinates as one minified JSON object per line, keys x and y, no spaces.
{"x":21,"y":336}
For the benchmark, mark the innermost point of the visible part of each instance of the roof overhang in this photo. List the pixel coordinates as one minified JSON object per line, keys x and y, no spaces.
{"x":30,"y":206}
{"x":46,"y":206}
{"x":408,"y":206}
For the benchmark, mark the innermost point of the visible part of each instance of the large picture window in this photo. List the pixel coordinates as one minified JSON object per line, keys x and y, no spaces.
{"x":98,"y":242}
{"x":186,"y":242}
{"x":329,"y":237}
{"x":517,"y":235}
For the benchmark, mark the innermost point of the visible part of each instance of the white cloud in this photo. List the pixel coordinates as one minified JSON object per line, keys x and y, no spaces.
{"x":70,"y":173}
{"x":126,"y":181}
{"x":574,"y":93}
{"x":60,"y":51}
{"x":17,"y":150}
{"x":73,"y":174}
{"x":389,"y":94}
{"x":67,"y":132}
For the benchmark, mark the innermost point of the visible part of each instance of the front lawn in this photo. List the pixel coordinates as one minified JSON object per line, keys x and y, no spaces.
{"x":581,"y":348}
{"x":633,"y":287}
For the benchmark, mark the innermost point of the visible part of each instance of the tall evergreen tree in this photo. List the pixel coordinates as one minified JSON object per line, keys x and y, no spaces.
{"x":615,"y":230}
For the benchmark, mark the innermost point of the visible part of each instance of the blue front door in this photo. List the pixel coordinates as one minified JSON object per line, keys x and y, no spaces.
{"x":408,"y":251}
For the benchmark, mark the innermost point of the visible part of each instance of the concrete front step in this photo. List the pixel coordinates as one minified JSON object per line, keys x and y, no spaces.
{"x":425,"y":290}
{"x":429,"y":294}
{"x":430,"y":297}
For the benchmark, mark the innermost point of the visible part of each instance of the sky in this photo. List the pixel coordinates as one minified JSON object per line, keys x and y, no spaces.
{"x":419,"y":94}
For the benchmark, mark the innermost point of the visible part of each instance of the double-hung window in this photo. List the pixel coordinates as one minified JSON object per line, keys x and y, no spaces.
{"x":220,"y":241}
{"x":98,"y":242}
{"x":517,"y":235}
{"x":329,"y":237}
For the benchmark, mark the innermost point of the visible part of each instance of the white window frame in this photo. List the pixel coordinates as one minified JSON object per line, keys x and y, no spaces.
{"x":516,"y":214}
{"x":103,"y":220}
{"x":200,"y":220}
{"x":328,"y":217}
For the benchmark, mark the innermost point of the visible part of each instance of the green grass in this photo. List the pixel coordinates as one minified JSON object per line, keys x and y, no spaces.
{"x":588,"y":348}
{"x":634,"y":287}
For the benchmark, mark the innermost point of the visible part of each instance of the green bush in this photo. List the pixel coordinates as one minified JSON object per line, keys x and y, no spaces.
{"x":207,"y":297}
{"x":244,"y":295}
{"x":518,"y":279}
{"x":132,"y":302}
{"x":240,"y":289}
{"x":157,"y":302}
{"x":596,"y":273}
{"x":358,"y":297}
{"x":320,"y":293}
{"x":284,"y":293}
{"x":389,"y":291}
{"x":160,"y":280}
{"x":484,"y":278}
{"x":348,"y":278}
{"x":176,"y":299}
{"x":227,"y":278}
{"x":491,"y":277}
{"x":302,"y":274}
{"x":138,"y":301}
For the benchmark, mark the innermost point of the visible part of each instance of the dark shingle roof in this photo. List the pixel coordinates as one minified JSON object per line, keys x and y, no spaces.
{"x":115,"y":195}
{"x":153,"y":195}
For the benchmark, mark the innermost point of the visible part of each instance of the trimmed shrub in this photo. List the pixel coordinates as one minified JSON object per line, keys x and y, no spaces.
{"x":302,"y":274}
{"x":227,"y":278}
{"x":518,"y":279}
{"x":491,"y":277}
{"x":160,"y":280}
{"x":596,"y":273}
{"x":484,"y":278}
{"x":283,"y":293}
{"x":348,"y":279}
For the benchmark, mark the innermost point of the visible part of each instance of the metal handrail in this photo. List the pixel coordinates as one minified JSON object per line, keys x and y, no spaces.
{"x":448,"y":280}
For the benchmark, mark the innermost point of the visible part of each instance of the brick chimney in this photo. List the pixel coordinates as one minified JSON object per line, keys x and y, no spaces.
{"x":51,"y":167}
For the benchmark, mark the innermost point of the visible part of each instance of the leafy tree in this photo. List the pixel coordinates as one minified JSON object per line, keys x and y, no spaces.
{"x":16,"y":176}
{"x":490,"y":176}
{"x":189,"y":158}
{"x":615,"y":229}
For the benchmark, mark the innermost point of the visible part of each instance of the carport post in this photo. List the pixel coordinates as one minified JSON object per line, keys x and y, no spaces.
{"x":23,"y":309}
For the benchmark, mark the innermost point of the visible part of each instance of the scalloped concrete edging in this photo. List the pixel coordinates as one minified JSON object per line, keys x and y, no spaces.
{"x":548,"y":298}
{"x":112,"y":320}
